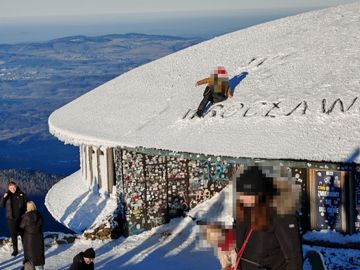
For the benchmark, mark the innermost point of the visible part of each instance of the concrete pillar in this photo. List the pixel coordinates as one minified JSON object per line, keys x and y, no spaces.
{"x":110,"y":169}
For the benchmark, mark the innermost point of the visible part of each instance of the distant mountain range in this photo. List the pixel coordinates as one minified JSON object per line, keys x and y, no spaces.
{"x":37,"y":78}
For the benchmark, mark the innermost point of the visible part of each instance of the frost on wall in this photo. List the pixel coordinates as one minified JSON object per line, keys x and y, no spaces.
{"x":178,"y":186}
{"x":357,"y":198}
{"x":134,"y":191}
{"x":206,"y":178}
{"x":119,"y":218}
{"x":300,"y":175}
{"x":154,"y":189}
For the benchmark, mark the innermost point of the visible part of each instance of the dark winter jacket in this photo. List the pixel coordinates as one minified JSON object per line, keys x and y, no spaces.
{"x":32,"y":223}
{"x":279,"y":247}
{"x":14,"y":203}
{"x":79,"y":263}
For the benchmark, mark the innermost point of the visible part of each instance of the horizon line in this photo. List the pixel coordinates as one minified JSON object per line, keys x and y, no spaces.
{"x":183,"y":12}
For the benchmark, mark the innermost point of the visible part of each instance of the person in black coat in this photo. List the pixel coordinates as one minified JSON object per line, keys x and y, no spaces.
{"x":272,"y":232}
{"x":14,"y":202}
{"x":84,"y":260}
{"x":33,"y":241}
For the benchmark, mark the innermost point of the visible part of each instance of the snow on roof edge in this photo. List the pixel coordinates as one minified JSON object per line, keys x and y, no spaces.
{"x":78,"y":139}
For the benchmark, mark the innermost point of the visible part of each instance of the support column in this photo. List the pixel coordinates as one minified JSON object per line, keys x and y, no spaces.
{"x":110,"y":169}
{"x":98,"y":153}
{"x":90,"y":150}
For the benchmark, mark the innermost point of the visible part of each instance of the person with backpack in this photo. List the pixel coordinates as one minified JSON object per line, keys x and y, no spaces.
{"x":14,"y":202}
{"x":217,"y":89}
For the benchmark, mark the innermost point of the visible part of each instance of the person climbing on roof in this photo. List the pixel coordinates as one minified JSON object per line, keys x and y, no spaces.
{"x":217,"y":89}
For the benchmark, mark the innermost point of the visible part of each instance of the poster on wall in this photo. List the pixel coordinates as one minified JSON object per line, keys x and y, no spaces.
{"x":328,"y":204}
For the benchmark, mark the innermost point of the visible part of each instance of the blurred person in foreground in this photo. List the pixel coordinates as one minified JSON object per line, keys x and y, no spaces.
{"x":84,"y":260}
{"x":266,"y":230}
{"x":265,"y":233}
{"x":222,"y":238}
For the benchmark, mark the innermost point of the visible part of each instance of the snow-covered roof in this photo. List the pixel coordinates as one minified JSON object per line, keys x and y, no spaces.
{"x":297,"y":95}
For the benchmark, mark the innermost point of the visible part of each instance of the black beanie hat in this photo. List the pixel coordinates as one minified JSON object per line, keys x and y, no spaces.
{"x":254,"y":181}
{"x":89,"y":253}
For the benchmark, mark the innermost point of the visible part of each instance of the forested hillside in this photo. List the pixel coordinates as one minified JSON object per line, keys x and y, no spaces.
{"x":29,"y":181}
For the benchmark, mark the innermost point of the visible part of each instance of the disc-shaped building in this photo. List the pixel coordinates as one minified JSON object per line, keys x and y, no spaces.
{"x":295,"y":104}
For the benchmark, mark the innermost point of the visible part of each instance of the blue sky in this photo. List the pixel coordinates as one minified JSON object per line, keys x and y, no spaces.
{"x":41,"y":20}
{"x":22,"y":8}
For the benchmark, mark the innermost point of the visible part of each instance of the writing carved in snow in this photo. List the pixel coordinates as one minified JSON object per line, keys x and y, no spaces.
{"x":280,"y":108}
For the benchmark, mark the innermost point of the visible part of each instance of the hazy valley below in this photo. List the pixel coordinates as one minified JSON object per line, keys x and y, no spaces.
{"x":38,"y":78}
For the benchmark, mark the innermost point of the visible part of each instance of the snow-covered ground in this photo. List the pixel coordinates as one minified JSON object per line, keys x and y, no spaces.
{"x":297,"y":95}
{"x":175,"y":246}
{"x":331,"y":236}
{"x":171,"y":246}
{"x":76,"y":205}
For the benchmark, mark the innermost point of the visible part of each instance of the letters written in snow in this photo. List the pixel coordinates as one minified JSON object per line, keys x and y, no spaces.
{"x":279,"y":108}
